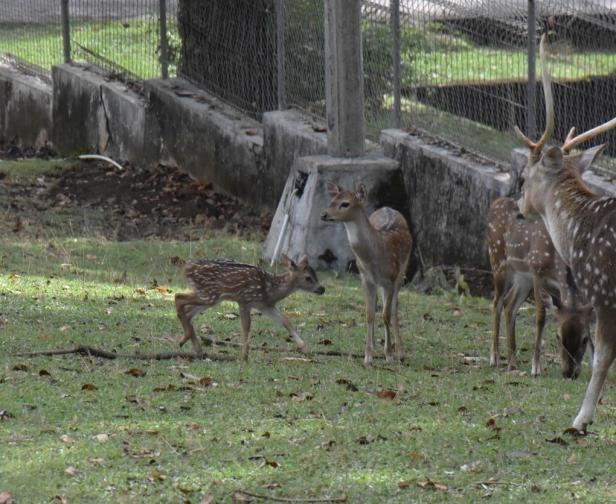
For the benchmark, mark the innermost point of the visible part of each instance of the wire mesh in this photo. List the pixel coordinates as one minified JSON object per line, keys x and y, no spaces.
{"x":465,"y":68}
{"x":463,"y":63}
{"x":230,"y":48}
{"x":31,"y":35}
{"x":120,"y":36}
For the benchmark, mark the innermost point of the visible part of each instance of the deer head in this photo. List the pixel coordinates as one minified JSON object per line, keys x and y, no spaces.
{"x":303,"y":274}
{"x":544,"y":169}
{"x":344,"y":205}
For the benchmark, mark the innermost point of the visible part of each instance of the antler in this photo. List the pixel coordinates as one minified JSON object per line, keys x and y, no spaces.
{"x":572,"y":141}
{"x":536,"y":147}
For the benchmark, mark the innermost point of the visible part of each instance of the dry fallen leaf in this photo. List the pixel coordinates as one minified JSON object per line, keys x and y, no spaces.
{"x":386,"y":394}
{"x":208,"y":499}
{"x":65,"y":438}
{"x":101,"y":438}
{"x":403,"y":484}
{"x":136,"y":372}
{"x":429,"y":484}
{"x":89,"y":386}
{"x":572,"y":459}
{"x":71,"y":471}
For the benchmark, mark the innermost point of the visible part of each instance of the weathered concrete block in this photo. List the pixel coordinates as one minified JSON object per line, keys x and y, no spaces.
{"x":288,"y":135}
{"x":132,"y":133}
{"x":79,"y":119}
{"x":305,"y":198}
{"x":448,"y":198}
{"x":25,"y":109}
{"x":92,"y":114}
{"x":211,"y":141}
{"x":595,"y":181}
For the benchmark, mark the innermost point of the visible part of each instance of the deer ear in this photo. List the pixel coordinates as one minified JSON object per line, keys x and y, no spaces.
{"x":333,"y":189}
{"x":361,"y":193}
{"x":303,"y":261}
{"x":584,"y":160}
{"x":552,"y":159}
{"x":287,"y":262}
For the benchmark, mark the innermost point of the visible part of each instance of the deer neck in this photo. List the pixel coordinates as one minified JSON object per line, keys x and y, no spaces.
{"x":569,"y":206}
{"x":280,"y":286}
{"x":361,"y":235}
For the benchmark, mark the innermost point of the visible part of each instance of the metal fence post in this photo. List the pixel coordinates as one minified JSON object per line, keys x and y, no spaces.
{"x":164,"y":44}
{"x":395,"y":57}
{"x":280,"y":55}
{"x":531,"y":88}
{"x":66,"y":31}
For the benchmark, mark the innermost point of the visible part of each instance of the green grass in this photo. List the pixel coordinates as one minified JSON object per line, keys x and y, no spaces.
{"x":132,"y":45}
{"x":428,"y":58}
{"x":275,"y":425}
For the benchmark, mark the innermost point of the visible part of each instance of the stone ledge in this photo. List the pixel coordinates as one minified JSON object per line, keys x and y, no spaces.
{"x":448,"y":199}
{"x":25,"y":109}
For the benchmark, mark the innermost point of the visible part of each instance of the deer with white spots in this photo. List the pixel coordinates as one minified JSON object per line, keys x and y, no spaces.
{"x":523,"y":259}
{"x":382,"y":245}
{"x":217,"y":280}
{"x":582,"y":226}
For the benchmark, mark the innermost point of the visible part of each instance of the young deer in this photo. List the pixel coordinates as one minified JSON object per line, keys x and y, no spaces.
{"x":523,"y":258}
{"x":213,"y":281}
{"x":382,"y":246}
{"x":582,"y":226}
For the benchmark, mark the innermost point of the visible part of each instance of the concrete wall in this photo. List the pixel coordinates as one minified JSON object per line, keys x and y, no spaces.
{"x":25,"y":109}
{"x":449,"y":198}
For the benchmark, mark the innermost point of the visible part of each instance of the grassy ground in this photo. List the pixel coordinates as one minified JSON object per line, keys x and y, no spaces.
{"x":441,"y":427}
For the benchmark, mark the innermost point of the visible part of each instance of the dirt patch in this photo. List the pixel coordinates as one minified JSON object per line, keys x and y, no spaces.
{"x":132,"y":203}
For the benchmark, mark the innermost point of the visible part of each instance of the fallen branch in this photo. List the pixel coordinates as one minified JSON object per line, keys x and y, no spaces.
{"x":328,"y":353}
{"x":342,"y":498}
{"x":89,"y":351}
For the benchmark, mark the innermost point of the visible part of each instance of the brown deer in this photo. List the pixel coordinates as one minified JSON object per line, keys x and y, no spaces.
{"x":523,"y":258}
{"x":382,"y":245}
{"x":582,"y":226}
{"x":217,"y":280}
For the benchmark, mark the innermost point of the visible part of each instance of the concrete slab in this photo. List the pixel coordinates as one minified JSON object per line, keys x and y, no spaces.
{"x":448,"y":198}
{"x":211,"y":141}
{"x":80,"y":124}
{"x":305,"y":198}
{"x":25,"y":109}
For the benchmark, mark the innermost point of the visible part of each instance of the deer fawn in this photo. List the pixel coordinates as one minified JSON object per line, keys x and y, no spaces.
{"x":582,"y":226}
{"x":213,"y":281}
{"x":523,"y":258}
{"x":381,"y":244}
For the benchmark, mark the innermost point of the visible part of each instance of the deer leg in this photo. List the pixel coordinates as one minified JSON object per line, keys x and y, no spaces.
{"x":497,"y":308}
{"x":539,"y":326}
{"x":514,"y":299}
{"x":396,"y":325}
{"x":275,"y":314}
{"x":189,"y":302}
{"x":605,"y":352}
{"x":370,"y":298}
{"x":389,"y":342}
{"x":245,"y":317}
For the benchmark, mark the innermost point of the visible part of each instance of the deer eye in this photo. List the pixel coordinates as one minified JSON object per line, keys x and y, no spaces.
{"x":344,"y":204}
{"x":309,"y":279}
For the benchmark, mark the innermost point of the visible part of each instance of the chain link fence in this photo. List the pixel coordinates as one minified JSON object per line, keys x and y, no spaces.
{"x":122,"y":37}
{"x":462,"y":70}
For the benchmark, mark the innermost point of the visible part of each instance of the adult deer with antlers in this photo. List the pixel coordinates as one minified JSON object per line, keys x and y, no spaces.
{"x":523,"y":259}
{"x":381,"y":244}
{"x":582,"y":226}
